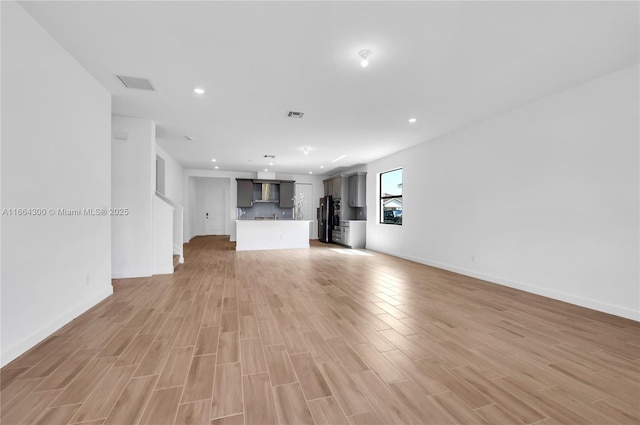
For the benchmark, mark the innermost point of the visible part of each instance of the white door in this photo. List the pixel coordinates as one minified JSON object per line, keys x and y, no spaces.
{"x":307,"y":205}
{"x":214,"y":210}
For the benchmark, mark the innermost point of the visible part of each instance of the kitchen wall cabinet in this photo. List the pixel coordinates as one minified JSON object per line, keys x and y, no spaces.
{"x":336,"y":191}
{"x":244,"y":193}
{"x":357,"y":190}
{"x":328,"y":187}
{"x":337,"y":187}
{"x":286,"y":194}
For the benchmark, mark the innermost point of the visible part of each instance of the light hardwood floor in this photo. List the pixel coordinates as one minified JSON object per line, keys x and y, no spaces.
{"x":325,"y":336}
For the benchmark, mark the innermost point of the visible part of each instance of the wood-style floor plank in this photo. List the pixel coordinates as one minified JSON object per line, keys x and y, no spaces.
{"x":326,"y":411}
{"x":227,"y":391}
{"x":279,"y":365}
{"x":347,"y":393}
{"x":311,"y":379}
{"x":252,"y":356}
{"x":260,"y":408}
{"x":200,"y":378}
{"x":175,"y":370}
{"x":132,"y":402}
{"x":57,"y":415}
{"x":105,"y":395}
{"x":291,"y":405}
{"x":194,"y":413}
{"x":319,"y":337}
{"x":162,"y":407}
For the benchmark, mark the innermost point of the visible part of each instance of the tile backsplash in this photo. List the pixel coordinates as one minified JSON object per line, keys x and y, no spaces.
{"x":264,"y":209}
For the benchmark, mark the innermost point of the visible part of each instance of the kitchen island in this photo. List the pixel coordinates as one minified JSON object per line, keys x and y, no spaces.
{"x":271,"y":234}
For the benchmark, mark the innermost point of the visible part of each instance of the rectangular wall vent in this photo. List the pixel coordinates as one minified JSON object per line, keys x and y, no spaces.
{"x":294,"y":114}
{"x":135,"y":83}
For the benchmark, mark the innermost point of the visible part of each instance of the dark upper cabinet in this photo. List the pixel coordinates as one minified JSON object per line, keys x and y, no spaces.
{"x":336,"y":190}
{"x":245,"y":193}
{"x":357,"y":190}
{"x":286,"y":194}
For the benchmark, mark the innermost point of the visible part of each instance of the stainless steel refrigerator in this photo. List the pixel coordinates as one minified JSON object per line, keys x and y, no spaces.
{"x":325,"y":216}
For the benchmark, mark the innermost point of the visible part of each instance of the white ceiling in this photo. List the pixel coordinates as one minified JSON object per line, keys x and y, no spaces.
{"x":448,"y":64}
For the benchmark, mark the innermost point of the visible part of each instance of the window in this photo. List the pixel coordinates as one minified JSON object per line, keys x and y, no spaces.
{"x":391,"y":197}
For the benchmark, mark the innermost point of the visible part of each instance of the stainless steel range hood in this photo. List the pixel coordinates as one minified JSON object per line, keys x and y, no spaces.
{"x":267,"y":193}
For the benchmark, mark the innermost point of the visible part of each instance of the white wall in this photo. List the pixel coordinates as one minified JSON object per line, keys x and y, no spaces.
{"x":133,"y":187}
{"x":162,"y":249}
{"x":544,"y":197}
{"x":174,"y":177}
{"x":55,"y":154}
{"x":318,"y":192}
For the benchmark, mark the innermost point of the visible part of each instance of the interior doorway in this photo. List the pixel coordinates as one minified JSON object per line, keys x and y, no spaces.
{"x":214,"y":207}
{"x":209,"y":206}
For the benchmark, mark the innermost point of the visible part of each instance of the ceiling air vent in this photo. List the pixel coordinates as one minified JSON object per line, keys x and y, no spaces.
{"x":295,"y":114}
{"x":135,"y":83}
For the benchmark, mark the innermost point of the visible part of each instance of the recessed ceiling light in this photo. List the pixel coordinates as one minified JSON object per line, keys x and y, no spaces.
{"x":364,"y":54}
{"x":306,"y":151}
{"x":266,"y":169}
{"x":271,"y":163}
{"x":216,"y":167}
{"x":310,"y":172}
{"x":412,"y":120}
{"x":198,"y":90}
{"x":338,"y":158}
{"x":188,"y":137}
{"x":322,"y":166}
{"x":213,"y":160}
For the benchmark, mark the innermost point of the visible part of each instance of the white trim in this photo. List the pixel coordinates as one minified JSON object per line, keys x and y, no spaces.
{"x":560,"y":296}
{"x":128,"y":275}
{"x":30,"y":341}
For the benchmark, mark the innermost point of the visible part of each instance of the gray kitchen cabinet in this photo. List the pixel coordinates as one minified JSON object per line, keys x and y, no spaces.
{"x":336,"y":190}
{"x":358,"y":190}
{"x":244,"y":193}
{"x":286,"y":194}
{"x":328,"y":187}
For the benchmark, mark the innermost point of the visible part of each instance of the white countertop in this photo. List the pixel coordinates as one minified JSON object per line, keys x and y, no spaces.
{"x":272,"y":221}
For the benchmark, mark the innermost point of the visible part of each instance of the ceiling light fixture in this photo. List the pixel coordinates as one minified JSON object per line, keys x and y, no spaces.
{"x":198,"y":90}
{"x":266,"y":169}
{"x":412,"y":120}
{"x":338,"y":158}
{"x":271,"y":163}
{"x":364,"y":54}
{"x":213,"y":160}
{"x":322,"y":166}
{"x":306,"y":151}
{"x":310,"y":172}
{"x":216,"y":167}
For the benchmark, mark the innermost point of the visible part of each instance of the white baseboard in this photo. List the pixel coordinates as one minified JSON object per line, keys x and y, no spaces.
{"x":164,"y":271}
{"x":11,"y":353}
{"x":616,"y":310}
{"x":128,"y":275}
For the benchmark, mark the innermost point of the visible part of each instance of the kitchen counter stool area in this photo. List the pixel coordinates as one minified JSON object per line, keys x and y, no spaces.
{"x":271,"y":234}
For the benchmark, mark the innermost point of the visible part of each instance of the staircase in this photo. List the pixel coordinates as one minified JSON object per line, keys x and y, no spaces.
{"x":176,"y":261}
{"x":167,"y":234}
